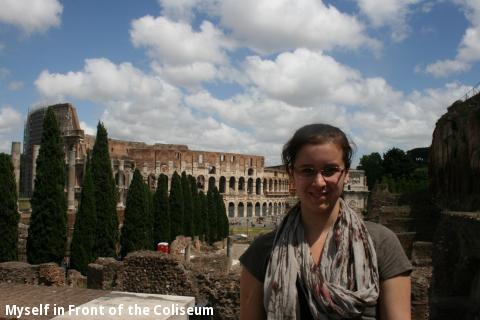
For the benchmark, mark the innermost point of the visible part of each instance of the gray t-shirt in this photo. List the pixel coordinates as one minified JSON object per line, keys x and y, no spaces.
{"x":391,"y":260}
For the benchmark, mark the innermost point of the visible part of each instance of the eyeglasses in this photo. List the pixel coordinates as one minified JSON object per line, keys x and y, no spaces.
{"x":328,"y":173}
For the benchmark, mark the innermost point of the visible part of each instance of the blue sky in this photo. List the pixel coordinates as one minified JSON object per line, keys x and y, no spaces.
{"x":240,"y":76}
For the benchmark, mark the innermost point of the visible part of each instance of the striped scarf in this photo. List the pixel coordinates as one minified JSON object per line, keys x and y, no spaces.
{"x":341,"y":286}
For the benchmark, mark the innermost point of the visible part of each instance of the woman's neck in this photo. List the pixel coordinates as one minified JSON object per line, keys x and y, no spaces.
{"x":316,"y":223}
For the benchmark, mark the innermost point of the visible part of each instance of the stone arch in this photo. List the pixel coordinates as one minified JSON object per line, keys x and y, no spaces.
{"x":275,"y":209}
{"x":241,"y":210}
{"x":275,"y":186}
{"x":258,"y":187}
{"x":257,"y":209}
{"x":241,"y":184}
{"x":270,"y":209}
{"x":270,"y":185}
{"x":265,"y":185}
{"x":250,"y":186}
{"x":201,"y":182}
{"x":264,"y":209}
{"x":211,"y":183}
{"x":231,"y":184}
{"x":222,"y":184}
{"x":249,"y":209}
{"x":231,"y":210}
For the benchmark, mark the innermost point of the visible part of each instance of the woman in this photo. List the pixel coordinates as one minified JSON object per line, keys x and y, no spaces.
{"x":323,"y":262}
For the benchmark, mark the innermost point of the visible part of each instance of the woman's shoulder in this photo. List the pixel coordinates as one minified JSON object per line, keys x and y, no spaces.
{"x":255,"y":258}
{"x":391,"y":257}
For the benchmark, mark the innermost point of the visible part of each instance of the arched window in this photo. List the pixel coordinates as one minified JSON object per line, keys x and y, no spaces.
{"x":241,"y":209}
{"x":211,"y":183}
{"x":257,"y":209}
{"x":241,"y":184}
{"x":250,"y":186}
{"x":258,"y":187}
{"x":231,"y":184}
{"x":264,"y":209}
{"x":249,"y":209}
{"x":231,"y":210}
{"x":201,"y":182}
{"x":250,"y":171}
{"x":222,"y":184}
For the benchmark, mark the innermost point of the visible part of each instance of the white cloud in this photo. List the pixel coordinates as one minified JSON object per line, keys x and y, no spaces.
{"x":305,"y":78}
{"x":88,"y":129}
{"x":15,"y":85}
{"x":392,"y":13}
{"x":269,"y":26}
{"x":11,"y":125}
{"x":177,"y":43}
{"x":31,"y":15}
{"x":468,"y":51}
{"x":185,"y":10}
{"x":4,"y":72}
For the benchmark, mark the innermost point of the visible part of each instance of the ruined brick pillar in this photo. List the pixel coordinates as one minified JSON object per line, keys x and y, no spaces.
{"x":121,"y":183}
{"x":36,"y":149}
{"x":16,"y":163}
{"x":71,"y":180}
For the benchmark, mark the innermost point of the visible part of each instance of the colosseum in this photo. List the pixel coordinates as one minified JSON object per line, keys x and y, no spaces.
{"x":250,"y":189}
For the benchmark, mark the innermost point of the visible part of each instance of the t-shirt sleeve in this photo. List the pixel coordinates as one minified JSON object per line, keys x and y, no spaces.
{"x":255,"y":258}
{"x":392,"y":260}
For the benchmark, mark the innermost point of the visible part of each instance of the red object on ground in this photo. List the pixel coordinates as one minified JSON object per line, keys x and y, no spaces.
{"x":163,"y":247}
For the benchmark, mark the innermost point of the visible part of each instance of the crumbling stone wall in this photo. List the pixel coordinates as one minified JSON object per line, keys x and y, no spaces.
{"x":454,"y":166}
{"x":456,"y":259}
{"x":49,"y":274}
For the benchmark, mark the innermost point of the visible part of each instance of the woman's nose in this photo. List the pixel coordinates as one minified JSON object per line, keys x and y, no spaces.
{"x":319,"y":180}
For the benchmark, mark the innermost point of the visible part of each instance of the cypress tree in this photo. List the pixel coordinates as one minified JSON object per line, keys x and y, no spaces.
{"x":203,"y":229}
{"x":9,"y":216}
{"x":48,"y":226}
{"x":222,"y":220}
{"x":83,"y":240}
{"x":148,"y":220}
{"x":175,"y":201}
{"x":105,"y":196}
{"x":161,"y":211}
{"x":187,"y":206}
{"x":135,"y":234}
{"x":196,"y":206}
{"x":212,"y":216}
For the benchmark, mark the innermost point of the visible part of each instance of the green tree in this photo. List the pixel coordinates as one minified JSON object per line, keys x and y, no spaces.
{"x":175,"y":201}
{"x":9,"y":216}
{"x":148,"y":220}
{"x":212,"y":216}
{"x":48,"y":230}
{"x":373,"y":166}
{"x":105,"y":196}
{"x":83,"y":240}
{"x":222,"y":220}
{"x":161,"y":211}
{"x":397,"y":163}
{"x":196,"y":205}
{"x":135,"y":232}
{"x":187,"y":206}
{"x":203,"y":225}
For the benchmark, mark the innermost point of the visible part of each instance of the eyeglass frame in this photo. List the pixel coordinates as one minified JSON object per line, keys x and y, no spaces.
{"x":338,"y":170}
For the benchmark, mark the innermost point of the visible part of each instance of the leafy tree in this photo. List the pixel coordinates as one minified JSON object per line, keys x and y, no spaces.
{"x":48,"y":227}
{"x":161,"y":211}
{"x":176,"y":206}
{"x":373,"y":166}
{"x":222,"y":220}
{"x":397,"y":163}
{"x":9,"y":216}
{"x":212,"y":216}
{"x":105,"y":196}
{"x":203,"y":225}
{"x":187,"y":206}
{"x":83,"y":240}
{"x":135,"y":233}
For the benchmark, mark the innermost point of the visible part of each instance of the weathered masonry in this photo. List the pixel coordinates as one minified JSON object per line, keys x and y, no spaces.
{"x":249,"y":188}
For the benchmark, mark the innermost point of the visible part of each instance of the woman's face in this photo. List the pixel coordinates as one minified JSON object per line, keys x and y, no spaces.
{"x":319,"y":175}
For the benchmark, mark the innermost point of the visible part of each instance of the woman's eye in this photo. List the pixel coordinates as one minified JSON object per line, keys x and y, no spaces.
{"x":328,"y":172}
{"x":308,"y":171}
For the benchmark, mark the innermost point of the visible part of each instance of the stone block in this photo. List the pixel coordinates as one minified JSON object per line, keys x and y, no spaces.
{"x":51,"y":274}
{"x":75,"y":279}
{"x":18,"y":272}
